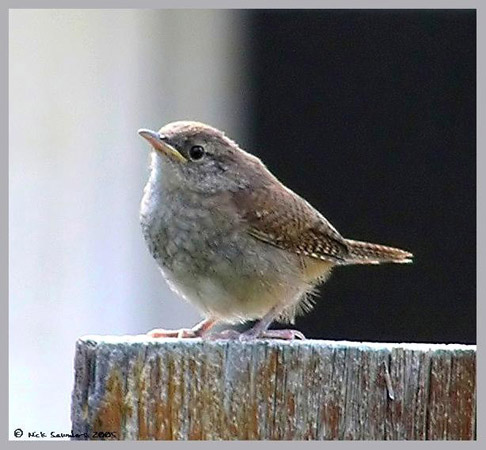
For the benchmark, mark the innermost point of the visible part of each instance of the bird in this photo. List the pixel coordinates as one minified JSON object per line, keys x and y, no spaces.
{"x":234,"y":241}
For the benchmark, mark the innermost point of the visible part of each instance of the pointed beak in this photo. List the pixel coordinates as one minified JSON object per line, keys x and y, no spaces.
{"x":159,"y":144}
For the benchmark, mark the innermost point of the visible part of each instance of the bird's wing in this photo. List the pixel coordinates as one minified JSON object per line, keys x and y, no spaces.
{"x":278,"y":216}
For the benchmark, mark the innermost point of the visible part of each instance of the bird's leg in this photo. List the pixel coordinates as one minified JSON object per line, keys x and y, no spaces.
{"x":197,"y":330}
{"x":260,"y":329}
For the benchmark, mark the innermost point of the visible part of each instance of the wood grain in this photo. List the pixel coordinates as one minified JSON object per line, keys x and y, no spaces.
{"x":140,"y":388}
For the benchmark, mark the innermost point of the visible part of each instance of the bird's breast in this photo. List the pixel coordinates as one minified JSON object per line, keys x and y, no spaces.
{"x":188,"y":226}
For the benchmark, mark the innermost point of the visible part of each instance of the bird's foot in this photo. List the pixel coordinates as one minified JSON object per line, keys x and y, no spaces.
{"x":287,"y":335}
{"x":196,"y":331}
{"x":224,"y":334}
{"x":251,"y":335}
{"x":181,"y":333}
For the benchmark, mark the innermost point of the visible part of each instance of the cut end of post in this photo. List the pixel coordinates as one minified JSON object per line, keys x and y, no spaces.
{"x":137,"y":387}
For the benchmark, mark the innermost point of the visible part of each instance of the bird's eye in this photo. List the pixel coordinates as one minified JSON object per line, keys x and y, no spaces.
{"x":196,"y":152}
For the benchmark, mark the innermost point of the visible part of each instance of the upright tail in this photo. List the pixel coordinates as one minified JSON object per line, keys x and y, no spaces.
{"x":366,"y":253}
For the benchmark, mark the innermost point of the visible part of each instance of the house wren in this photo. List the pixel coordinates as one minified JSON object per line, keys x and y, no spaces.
{"x":231,"y":239}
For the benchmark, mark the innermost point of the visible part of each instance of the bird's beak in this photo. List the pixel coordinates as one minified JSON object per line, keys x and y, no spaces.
{"x":158,"y":143}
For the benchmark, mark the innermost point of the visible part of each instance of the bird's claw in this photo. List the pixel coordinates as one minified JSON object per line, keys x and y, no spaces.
{"x":251,"y":335}
{"x":288,"y":335}
{"x":183,"y":333}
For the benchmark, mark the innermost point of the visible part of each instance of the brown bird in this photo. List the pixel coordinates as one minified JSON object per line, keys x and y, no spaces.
{"x":232,"y":240}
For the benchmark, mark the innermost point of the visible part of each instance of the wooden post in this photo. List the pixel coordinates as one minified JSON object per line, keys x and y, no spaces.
{"x":141,"y":388}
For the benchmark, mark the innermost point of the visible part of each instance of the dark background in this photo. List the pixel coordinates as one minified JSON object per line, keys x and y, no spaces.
{"x":371,"y":116}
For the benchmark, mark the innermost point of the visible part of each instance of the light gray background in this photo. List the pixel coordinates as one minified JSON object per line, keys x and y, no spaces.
{"x":81,"y":83}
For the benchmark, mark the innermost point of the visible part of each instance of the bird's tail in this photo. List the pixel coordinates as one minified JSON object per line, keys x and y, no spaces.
{"x":366,"y":253}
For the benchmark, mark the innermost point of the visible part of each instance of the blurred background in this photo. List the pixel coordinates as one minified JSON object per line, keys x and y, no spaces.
{"x":369,"y":115}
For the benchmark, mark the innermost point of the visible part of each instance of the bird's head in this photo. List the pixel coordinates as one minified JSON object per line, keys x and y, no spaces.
{"x":200,"y":158}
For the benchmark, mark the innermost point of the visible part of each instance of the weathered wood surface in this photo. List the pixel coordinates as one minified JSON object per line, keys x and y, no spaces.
{"x":141,"y":388}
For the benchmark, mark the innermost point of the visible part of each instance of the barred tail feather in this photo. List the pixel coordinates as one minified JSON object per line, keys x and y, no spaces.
{"x":366,"y":253}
